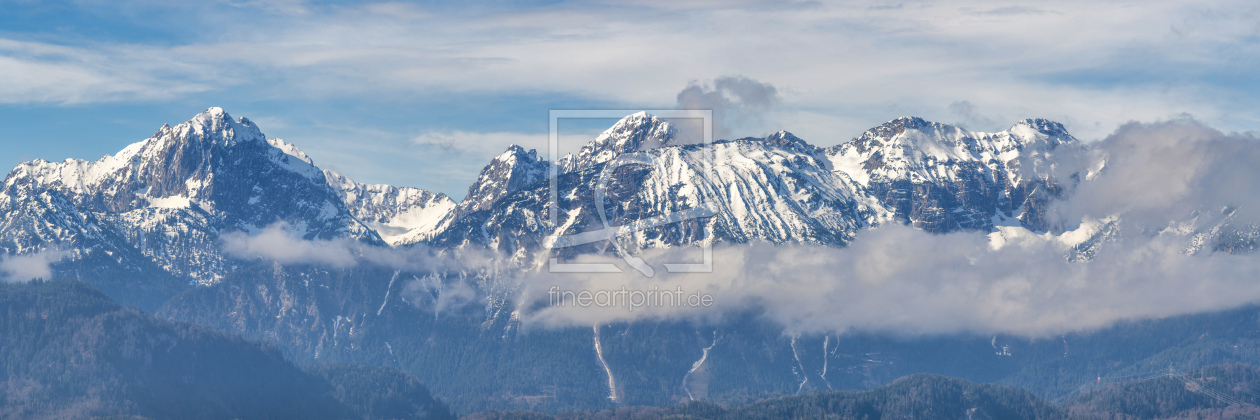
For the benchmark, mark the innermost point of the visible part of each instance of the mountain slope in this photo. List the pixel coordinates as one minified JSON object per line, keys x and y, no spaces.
{"x":71,"y":352}
{"x":912,"y":397}
{"x":1216,"y":392}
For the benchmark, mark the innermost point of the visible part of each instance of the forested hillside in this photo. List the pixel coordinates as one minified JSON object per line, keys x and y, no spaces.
{"x":71,"y":352}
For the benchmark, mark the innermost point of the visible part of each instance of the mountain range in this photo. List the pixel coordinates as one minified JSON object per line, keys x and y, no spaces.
{"x":159,"y":206}
{"x":148,"y":227}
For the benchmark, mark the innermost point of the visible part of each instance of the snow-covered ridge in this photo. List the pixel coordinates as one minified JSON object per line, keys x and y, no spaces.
{"x":779,"y":188}
{"x":941,"y":177}
{"x":401,"y":215}
{"x":293,"y":159}
{"x":921,"y":151}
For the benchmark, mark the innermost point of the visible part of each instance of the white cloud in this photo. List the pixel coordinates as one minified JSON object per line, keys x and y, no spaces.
{"x":900,"y":279}
{"x":281,"y":243}
{"x":47,"y":73}
{"x":278,"y":243}
{"x":1172,"y":170}
{"x":1093,"y":65}
{"x":20,"y":268}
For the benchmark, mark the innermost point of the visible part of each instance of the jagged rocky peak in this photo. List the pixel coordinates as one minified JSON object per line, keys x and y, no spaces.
{"x":917,"y":130}
{"x":168,"y":197}
{"x":913,"y":132}
{"x":182,"y":160}
{"x":789,"y":141}
{"x":178,"y":160}
{"x":1042,"y":131}
{"x":898,"y":126}
{"x":214,"y":126}
{"x":915,"y":141}
{"x":635,"y":132}
{"x":512,"y":170}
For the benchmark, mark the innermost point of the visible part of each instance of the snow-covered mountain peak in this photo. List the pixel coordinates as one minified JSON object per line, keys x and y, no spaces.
{"x":171,"y":195}
{"x":506,"y":173}
{"x":911,"y":146}
{"x":636,"y":132}
{"x":1040,"y":130}
{"x":216,"y":127}
{"x":175,"y":161}
{"x":514,"y":152}
{"x":902,"y":147}
{"x":788,"y":140}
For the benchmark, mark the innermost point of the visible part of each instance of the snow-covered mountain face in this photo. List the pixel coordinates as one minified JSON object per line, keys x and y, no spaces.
{"x":516,"y":168}
{"x":777,"y":189}
{"x":636,"y":132}
{"x":780,"y":188}
{"x":170,"y":196}
{"x":401,"y":215}
{"x":942,"y":178}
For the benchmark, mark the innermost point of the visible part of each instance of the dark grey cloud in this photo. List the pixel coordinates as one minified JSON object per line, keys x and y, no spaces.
{"x":968,"y":116}
{"x":737,"y":101}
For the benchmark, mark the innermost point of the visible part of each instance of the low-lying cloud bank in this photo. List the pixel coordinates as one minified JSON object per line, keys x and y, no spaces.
{"x":903,"y":279}
{"x":21,"y":268}
{"x":280,"y":243}
{"x":1155,"y":174}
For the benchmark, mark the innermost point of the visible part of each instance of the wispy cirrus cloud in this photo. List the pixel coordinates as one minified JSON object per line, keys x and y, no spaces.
{"x":837,"y":69}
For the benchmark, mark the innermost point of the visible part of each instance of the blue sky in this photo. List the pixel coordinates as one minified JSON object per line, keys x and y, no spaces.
{"x":423,"y":93}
